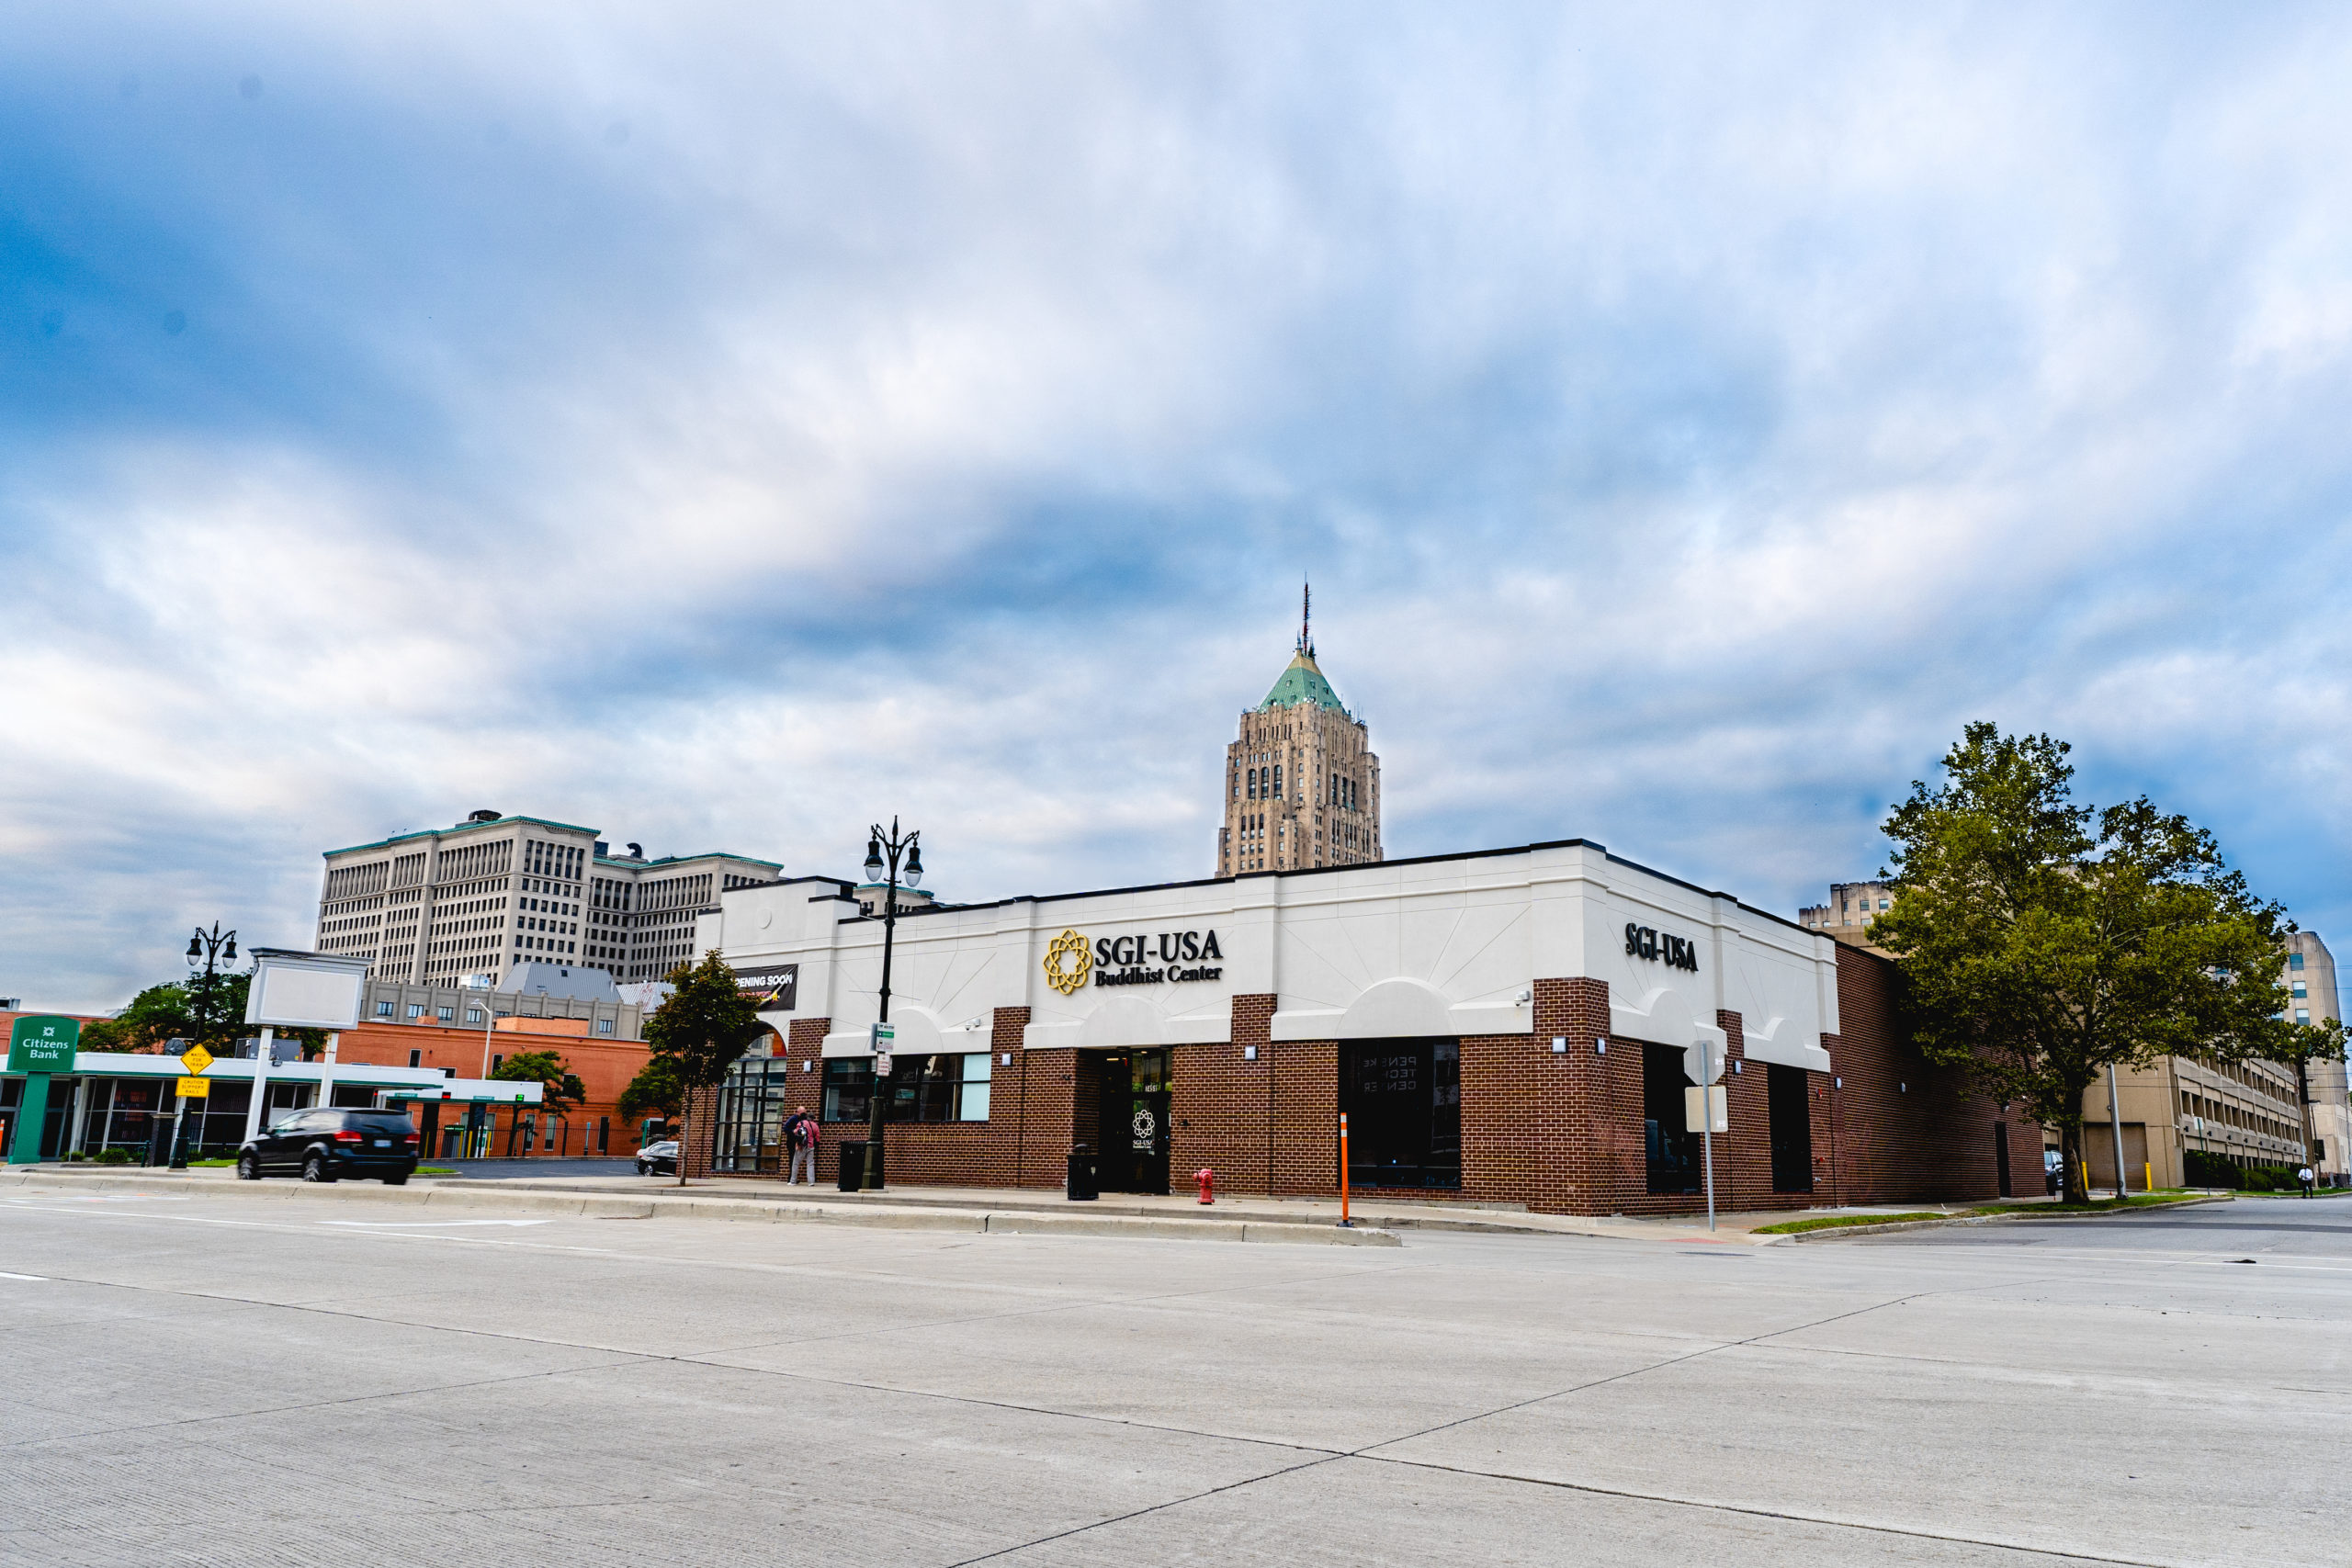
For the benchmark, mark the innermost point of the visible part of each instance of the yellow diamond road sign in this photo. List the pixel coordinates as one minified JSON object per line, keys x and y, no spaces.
{"x":195,"y":1058}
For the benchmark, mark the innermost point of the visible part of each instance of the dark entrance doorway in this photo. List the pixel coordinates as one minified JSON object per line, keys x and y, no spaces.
{"x":1789,"y":1113}
{"x":1131,"y":1121}
{"x":2001,"y":1156}
{"x":1673,"y":1147}
{"x":1403,"y":1099}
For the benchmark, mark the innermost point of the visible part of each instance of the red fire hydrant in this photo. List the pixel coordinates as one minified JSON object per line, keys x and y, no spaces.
{"x":1207,"y":1178}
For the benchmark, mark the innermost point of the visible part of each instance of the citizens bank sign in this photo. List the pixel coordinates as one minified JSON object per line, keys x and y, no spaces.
{"x":1072,"y":959}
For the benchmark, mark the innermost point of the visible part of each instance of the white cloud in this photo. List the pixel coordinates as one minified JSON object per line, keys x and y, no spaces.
{"x":1691,"y":420}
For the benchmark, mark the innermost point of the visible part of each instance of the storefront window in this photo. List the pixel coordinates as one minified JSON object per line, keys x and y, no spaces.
{"x":751,"y":1110}
{"x":946,"y":1088}
{"x":1404,"y":1104}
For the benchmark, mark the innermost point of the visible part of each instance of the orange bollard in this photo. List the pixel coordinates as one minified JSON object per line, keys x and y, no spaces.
{"x":1343,"y":1172}
{"x":1207,"y":1178}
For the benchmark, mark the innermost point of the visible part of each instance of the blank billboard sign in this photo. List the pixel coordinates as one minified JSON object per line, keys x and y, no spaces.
{"x":305,"y":991}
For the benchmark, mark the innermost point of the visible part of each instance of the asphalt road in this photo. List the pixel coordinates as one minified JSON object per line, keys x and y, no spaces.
{"x":218,"y":1379}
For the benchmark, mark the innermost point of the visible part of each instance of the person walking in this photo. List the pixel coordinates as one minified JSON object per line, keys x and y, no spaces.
{"x":801,"y":1132}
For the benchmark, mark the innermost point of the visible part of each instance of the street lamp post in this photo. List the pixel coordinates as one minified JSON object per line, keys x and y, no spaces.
{"x":212,"y":947}
{"x":883,"y":854}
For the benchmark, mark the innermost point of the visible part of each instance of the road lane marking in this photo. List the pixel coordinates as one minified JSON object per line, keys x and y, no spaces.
{"x":424,"y":1225}
{"x":41,"y":1279}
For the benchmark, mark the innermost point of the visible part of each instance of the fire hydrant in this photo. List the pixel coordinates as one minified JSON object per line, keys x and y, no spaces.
{"x":1207,"y":1178}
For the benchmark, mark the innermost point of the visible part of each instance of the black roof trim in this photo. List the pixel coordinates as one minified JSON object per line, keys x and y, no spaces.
{"x":1323,"y":870}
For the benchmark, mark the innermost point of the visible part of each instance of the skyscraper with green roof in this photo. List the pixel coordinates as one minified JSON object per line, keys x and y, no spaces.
{"x":1302,"y":785}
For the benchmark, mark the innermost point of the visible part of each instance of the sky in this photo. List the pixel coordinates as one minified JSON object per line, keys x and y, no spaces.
{"x":726,"y":425}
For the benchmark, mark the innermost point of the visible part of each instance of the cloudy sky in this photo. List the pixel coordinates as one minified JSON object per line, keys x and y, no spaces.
{"x":723,"y":424}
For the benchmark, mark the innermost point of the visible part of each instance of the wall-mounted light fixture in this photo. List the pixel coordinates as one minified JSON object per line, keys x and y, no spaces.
{"x":1523,"y":998}
{"x":1008,"y":1058}
{"x":1249,"y":1053}
{"x":1737,"y":1068}
{"x":1601,"y":1047}
{"x":805,"y":1064}
{"x":1559,"y":1044}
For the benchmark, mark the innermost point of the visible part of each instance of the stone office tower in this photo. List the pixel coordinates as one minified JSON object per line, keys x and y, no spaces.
{"x":1302,"y":786}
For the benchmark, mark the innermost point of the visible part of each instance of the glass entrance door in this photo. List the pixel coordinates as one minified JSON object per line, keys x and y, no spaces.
{"x":1133,"y":1121}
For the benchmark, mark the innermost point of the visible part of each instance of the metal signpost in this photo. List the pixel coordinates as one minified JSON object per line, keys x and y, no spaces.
{"x":2115,"y":1124}
{"x":1709,"y":1106}
{"x":195,"y":1085}
{"x":37,"y":1047}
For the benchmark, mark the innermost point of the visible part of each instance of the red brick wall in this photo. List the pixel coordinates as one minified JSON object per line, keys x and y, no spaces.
{"x":1220,"y":1103}
{"x":1559,"y":1132}
{"x":1908,"y":1131}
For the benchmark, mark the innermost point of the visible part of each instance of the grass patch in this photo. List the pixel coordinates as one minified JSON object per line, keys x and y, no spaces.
{"x":2097,"y":1206}
{"x":1838,"y":1221}
{"x":210,"y":1164}
{"x":436,"y":1170}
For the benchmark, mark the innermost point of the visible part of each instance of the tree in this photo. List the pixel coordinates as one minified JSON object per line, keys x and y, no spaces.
{"x":561,"y":1090}
{"x":698,"y":1032}
{"x":156,"y":1014}
{"x":213,"y":1016}
{"x":2042,"y":942}
{"x":654,"y":1091}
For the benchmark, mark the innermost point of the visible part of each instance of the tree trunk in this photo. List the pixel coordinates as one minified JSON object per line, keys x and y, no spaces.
{"x":683,"y":1101}
{"x":2076,"y":1185}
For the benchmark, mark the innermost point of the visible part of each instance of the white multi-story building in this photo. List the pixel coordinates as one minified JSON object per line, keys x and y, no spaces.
{"x":493,"y":891}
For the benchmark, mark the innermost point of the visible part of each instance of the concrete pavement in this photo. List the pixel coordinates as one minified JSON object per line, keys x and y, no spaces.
{"x":199,"y":1376}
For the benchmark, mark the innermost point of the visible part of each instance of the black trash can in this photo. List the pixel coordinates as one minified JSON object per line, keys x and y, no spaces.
{"x":1085,"y":1177}
{"x":852,"y":1171}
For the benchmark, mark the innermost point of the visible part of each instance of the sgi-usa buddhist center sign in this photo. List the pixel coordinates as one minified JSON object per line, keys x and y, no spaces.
{"x":1071,"y":959}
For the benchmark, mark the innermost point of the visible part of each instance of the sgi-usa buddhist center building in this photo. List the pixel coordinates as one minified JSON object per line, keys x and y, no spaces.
{"x":1515,"y":1025}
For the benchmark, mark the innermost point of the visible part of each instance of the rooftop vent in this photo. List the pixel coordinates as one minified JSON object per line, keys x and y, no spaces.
{"x":482,"y":816}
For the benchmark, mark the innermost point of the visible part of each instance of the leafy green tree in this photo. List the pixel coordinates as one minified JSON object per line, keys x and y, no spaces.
{"x":698,"y":1032}
{"x":2041,"y":941}
{"x":156,"y":1014}
{"x":561,"y":1090}
{"x":213,"y":1016}
{"x":653,"y":1092}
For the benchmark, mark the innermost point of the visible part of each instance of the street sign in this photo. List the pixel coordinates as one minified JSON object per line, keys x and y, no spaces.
{"x":44,"y":1045}
{"x":1715,"y":1110}
{"x":195,"y":1058}
{"x":884,"y":1035}
{"x":196,"y":1088}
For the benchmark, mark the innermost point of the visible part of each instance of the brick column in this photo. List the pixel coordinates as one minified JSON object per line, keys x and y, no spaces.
{"x":701,"y":1132}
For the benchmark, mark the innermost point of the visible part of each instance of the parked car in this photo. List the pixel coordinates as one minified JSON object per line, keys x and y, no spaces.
{"x":2053,"y":1171}
{"x":328,"y":1145}
{"x":657,"y":1159}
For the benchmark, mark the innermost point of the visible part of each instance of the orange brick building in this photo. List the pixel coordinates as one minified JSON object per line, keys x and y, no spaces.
{"x":595,"y":1127}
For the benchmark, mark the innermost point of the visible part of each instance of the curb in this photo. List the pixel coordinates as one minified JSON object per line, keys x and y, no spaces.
{"x":1855,"y":1233}
{"x":606,"y":1206}
{"x":1238,"y":1213}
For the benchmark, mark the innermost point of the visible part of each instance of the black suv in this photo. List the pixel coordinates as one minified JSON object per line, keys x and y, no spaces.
{"x":327,"y":1145}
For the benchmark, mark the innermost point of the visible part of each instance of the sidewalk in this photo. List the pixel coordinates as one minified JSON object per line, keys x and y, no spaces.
{"x":1383,"y":1214}
{"x":981,"y":1209}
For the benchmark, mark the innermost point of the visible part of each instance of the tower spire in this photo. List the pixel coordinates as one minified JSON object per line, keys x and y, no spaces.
{"x":1306,"y":618}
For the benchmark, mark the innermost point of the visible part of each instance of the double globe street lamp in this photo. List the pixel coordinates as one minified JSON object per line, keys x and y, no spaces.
{"x":883,"y":853}
{"x":213,"y":946}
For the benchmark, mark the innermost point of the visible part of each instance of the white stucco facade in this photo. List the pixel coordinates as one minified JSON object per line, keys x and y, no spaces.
{"x":1440,"y":946}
